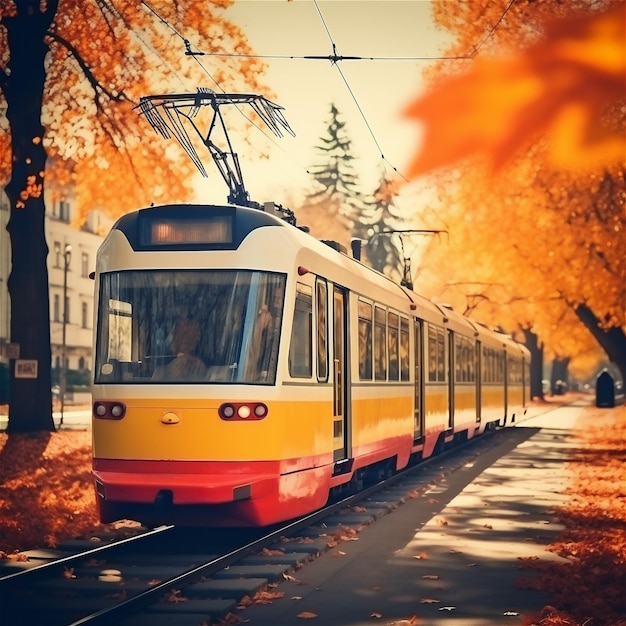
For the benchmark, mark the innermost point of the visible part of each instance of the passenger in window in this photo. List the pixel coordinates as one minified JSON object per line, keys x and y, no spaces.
{"x":185,"y":365}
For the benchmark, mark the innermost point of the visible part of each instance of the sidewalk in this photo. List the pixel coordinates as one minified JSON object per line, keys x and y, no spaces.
{"x":446,"y":559}
{"x":75,"y":417}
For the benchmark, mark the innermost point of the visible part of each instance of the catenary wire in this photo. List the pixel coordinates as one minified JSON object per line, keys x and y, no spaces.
{"x":334,"y":59}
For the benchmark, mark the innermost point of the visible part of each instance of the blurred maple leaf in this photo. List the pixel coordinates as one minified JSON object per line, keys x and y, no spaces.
{"x":562,"y":86}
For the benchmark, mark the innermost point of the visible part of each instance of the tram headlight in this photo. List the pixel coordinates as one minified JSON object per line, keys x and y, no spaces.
{"x":109,"y":410}
{"x":227,"y":411}
{"x":260,"y":410}
{"x":249,"y":411}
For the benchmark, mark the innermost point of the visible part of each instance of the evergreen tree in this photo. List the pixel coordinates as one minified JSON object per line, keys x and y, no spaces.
{"x":379,"y":220}
{"x":338,"y":191}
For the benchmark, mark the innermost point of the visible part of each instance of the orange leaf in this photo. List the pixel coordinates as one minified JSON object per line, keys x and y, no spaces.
{"x":559,"y":86}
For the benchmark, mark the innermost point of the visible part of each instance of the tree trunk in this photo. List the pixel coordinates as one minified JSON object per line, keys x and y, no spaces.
{"x":559,"y":376}
{"x":536,"y":363}
{"x":612,"y":340}
{"x":30,"y":377}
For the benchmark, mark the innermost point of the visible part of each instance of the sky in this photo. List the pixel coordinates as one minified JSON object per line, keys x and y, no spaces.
{"x":370,"y":94}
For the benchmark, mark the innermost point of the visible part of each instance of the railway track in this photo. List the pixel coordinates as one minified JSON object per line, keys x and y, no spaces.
{"x":198,"y":576}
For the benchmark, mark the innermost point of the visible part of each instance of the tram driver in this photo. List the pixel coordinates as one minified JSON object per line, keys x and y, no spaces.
{"x":185,"y":365}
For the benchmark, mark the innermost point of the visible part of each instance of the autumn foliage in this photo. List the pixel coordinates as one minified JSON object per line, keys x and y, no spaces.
{"x":103,"y":57}
{"x":45,"y":489}
{"x":560,"y":86}
{"x":524,"y":143}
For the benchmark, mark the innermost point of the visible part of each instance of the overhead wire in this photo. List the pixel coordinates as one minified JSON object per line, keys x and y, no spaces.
{"x":180,"y":36}
{"x":334,"y":58}
{"x":352,"y":94}
{"x":194,"y":55}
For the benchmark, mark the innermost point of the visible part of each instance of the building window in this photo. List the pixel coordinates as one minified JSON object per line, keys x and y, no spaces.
{"x":84,"y":265}
{"x":81,"y":363}
{"x":56,"y":308}
{"x":57,"y":254}
{"x":83,"y":315}
{"x":64,"y":211}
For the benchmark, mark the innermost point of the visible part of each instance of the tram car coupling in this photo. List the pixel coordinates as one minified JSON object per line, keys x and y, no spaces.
{"x":244,"y":370}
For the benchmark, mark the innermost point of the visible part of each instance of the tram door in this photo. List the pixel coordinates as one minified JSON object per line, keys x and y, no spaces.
{"x":341,"y":408}
{"x":450,"y":377}
{"x":418,"y":410}
{"x":478,"y":369}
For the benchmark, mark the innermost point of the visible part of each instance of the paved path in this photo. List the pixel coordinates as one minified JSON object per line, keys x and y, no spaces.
{"x":454,"y":559}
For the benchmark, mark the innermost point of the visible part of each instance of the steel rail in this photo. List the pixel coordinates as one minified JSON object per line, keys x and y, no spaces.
{"x":73,"y":558}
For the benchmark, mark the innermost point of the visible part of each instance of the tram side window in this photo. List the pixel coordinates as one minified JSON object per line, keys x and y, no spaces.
{"x":500,"y":367}
{"x":300,"y":360}
{"x":486,"y":365}
{"x":380,"y":343}
{"x":493,"y":366}
{"x":464,"y":358}
{"x":394,"y":347}
{"x":404,"y":349}
{"x":322,"y":330}
{"x":365,"y":340}
{"x":436,"y":354}
{"x":510,"y":370}
{"x":459,"y":360}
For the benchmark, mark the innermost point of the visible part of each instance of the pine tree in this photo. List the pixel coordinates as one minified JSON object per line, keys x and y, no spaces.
{"x":379,"y":220}
{"x":338,"y":192}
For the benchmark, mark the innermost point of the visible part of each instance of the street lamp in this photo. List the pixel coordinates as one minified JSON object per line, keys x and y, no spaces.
{"x":67,"y":255}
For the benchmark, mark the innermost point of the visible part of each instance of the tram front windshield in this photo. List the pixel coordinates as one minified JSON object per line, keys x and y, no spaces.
{"x":188,"y":326}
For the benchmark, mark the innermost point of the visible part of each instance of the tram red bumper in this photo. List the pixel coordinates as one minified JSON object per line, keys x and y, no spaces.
{"x":206,"y":493}
{"x":189,"y":482}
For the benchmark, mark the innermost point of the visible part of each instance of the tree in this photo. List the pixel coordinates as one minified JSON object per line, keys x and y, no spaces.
{"x":536,"y":205}
{"x":71,"y":75}
{"x":377,"y":225}
{"x":536,"y":363}
{"x":337,"y":194}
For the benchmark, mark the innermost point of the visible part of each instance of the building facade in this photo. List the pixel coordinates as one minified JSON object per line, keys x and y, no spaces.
{"x":66,"y":277}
